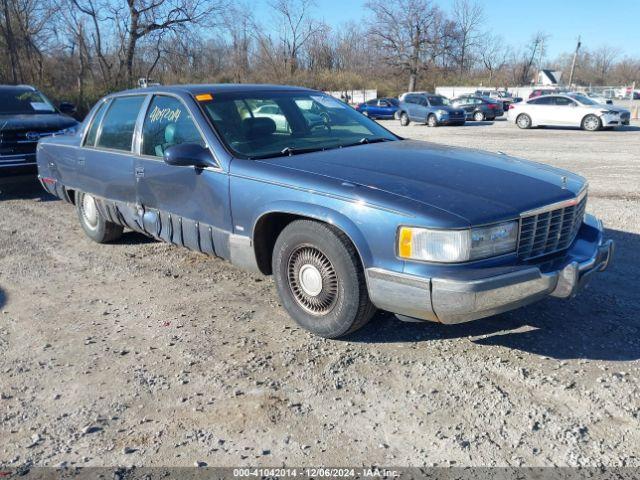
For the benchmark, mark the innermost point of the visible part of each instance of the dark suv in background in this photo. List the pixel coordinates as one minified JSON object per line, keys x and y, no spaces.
{"x":26,"y":115}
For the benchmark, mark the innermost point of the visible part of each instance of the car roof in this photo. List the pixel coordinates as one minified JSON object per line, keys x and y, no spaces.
{"x":214,"y":88}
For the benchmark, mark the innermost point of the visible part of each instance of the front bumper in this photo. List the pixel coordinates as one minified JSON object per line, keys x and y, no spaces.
{"x":459,"y":299}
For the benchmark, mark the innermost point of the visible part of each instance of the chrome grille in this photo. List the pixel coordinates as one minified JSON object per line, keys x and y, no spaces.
{"x":552,"y":230}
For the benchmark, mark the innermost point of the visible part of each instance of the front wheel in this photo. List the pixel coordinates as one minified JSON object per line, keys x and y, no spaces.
{"x":523,"y":121}
{"x":591,"y":123}
{"x":432,"y":121}
{"x":478,"y":116}
{"x":319,"y":279}
{"x":93,"y":223}
{"x":404,"y":119}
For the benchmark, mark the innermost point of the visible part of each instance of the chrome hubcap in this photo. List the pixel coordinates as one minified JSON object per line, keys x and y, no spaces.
{"x":523,"y":121}
{"x":89,"y":211}
{"x":591,"y":123}
{"x":313,"y":280}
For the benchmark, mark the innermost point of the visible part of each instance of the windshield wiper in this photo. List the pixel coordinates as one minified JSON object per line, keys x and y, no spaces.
{"x":288,"y":151}
{"x":367,"y":140}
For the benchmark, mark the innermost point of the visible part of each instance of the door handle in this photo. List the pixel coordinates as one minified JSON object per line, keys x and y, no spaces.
{"x":139,"y":172}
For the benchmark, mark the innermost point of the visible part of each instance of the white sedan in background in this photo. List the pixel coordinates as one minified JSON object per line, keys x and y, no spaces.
{"x":573,"y":110}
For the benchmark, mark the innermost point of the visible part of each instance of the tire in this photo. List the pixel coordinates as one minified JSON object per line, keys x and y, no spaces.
{"x":93,"y":223}
{"x":478,"y":116}
{"x":523,"y":121}
{"x":333,"y":300}
{"x":404,"y":119}
{"x":591,"y":123}
{"x":432,"y":121}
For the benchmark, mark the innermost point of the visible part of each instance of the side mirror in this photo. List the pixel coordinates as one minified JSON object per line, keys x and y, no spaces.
{"x":188,"y":155}
{"x":67,"y":108}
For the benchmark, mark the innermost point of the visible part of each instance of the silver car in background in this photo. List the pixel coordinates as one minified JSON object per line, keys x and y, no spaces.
{"x":568,"y":110}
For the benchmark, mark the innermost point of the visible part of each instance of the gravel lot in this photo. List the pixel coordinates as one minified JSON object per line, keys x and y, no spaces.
{"x":140,"y":353}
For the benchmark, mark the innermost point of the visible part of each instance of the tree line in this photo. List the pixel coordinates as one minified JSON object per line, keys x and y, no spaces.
{"x":78,"y":50}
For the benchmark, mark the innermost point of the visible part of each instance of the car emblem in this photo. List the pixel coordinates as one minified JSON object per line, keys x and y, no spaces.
{"x":32,"y":135}
{"x":564,"y":182}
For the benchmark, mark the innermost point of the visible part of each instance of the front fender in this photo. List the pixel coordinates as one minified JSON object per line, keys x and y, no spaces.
{"x":323,"y":214}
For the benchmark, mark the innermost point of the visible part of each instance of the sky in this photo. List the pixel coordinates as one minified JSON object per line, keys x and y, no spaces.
{"x":615,"y":23}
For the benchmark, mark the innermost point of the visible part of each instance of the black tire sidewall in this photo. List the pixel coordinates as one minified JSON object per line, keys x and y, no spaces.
{"x":344,"y":314}
{"x":104,"y":231}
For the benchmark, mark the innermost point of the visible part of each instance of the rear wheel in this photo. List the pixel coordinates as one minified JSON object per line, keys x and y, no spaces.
{"x":591,"y":123}
{"x":404,"y":119}
{"x":523,"y":121}
{"x":320,"y":280}
{"x":432,"y":121}
{"x":93,"y":223}
{"x":478,"y":116}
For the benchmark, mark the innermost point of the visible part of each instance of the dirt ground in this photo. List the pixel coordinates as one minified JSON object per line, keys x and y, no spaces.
{"x":140,"y":353}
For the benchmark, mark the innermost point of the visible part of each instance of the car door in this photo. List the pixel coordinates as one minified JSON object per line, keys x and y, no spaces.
{"x":567,"y":111}
{"x":184,"y":205}
{"x":466,"y":103}
{"x":421,"y":109}
{"x":542,"y":110}
{"x":382,"y":108}
{"x":106,"y":159}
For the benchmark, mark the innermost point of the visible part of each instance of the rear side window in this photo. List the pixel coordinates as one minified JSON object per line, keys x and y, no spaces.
{"x":119,"y":123}
{"x":90,"y":141}
{"x":167,"y":123}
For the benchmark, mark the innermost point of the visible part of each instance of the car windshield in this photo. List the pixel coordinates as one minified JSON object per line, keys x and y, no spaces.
{"x":583,"y":99}
{"x":21,"y":101}
{"x":438,"y":101}
{"x":393,"y":101}
{"x":272,"y":124}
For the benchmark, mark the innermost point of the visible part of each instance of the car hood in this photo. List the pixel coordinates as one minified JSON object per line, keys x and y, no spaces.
{"x":478,"y":186}
{"x":37,"y":122}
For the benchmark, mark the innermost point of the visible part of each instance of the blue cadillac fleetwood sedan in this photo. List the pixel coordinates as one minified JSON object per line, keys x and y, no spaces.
{"x":346,"y":216}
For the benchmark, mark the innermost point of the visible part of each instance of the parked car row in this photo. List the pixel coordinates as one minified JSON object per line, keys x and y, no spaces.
{"x":546,"y":106}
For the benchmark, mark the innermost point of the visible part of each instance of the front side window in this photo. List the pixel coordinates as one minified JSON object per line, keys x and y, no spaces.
{"x":116,"y":131}
{"x":167,"y":123}
{"x":306,"y":121}
{"x":24,"y":101}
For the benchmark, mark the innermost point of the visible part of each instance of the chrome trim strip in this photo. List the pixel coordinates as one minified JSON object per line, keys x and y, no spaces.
{"x":555,"y":206}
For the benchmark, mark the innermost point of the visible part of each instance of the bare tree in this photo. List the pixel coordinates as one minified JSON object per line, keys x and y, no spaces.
{"x":402,"y":31}
{"x":535,"y":49}
{"x":297,"y":27}
{"x":468,"y":17}
{"x":145,"y":17}
{"x":494,"y":54}
{"x":603,"y":60}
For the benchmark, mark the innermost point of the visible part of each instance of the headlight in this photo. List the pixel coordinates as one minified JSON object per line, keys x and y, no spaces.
{"x":453,"y":246}
{"x":442,"y":112}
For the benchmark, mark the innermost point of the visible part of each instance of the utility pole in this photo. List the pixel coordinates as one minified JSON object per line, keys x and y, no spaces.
{"x":537,"y":79}
{"x":573,"y":63}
